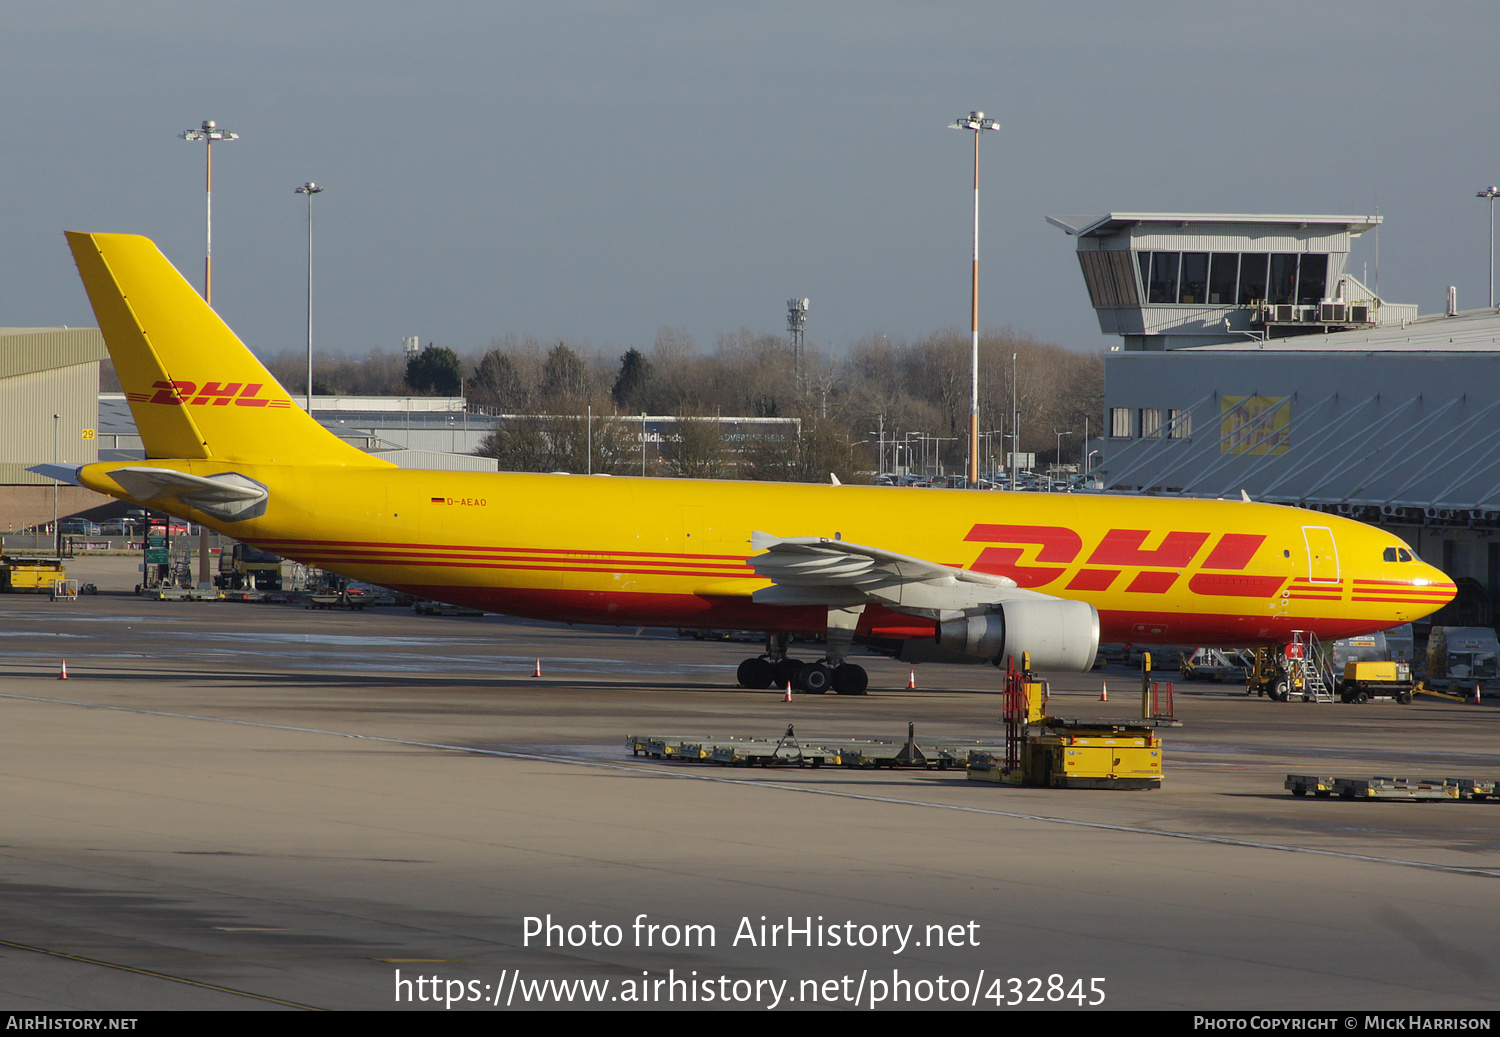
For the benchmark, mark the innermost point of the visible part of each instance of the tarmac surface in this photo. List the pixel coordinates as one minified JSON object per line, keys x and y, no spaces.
{"x":252,"y":806}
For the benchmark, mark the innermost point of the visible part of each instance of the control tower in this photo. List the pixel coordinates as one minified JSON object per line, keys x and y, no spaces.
{"x":1173,"y":280}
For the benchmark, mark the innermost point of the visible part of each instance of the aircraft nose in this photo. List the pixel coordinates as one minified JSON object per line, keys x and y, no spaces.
{"x":1436,"y":586}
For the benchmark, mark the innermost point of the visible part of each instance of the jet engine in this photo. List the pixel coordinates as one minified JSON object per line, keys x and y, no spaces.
{"x":1061,"y":636}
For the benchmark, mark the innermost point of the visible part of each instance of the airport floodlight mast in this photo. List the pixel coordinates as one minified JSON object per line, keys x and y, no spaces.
{"x":1491,"y":193}
{"x":208,"y":133}
{"x":309,"y":189}
{"x":796,"y":326}
{"x":976,"y":122}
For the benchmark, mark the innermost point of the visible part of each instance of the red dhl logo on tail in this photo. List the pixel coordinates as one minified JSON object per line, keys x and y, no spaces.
{"x":216,"y":394}
{"x":1057,"y":548}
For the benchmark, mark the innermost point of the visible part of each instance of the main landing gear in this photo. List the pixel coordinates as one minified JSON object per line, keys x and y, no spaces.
{"x":774,"y":668}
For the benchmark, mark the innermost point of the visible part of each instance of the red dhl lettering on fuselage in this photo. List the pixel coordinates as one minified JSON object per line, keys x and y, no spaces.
{"x":1056,"y":549}
{"x":216,"y":394}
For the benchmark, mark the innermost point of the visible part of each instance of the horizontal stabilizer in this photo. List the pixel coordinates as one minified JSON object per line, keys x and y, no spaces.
{"x":67,"y":473}
{"x":228,"y":496}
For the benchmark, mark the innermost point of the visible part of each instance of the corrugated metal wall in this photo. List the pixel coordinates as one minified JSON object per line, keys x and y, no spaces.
{"x":28,"y":350}
{"x":27,"y":428}
{"x":1404,"y":430}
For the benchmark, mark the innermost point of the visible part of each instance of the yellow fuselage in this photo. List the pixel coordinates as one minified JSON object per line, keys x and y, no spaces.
{"x":633,"y":551}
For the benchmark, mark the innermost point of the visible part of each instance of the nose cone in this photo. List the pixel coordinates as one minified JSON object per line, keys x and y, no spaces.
{"x":1434,"y":587}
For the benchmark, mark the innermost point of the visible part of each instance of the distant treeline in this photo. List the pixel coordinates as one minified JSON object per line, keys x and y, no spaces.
{"x":916,"y":387}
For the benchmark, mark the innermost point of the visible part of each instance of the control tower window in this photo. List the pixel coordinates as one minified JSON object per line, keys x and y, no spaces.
{"x":1282,"y":289}
{"x":1222,"y":273}
{"x":1312,"y":282}
{"x":1163,"y":288}
{"x":1194,"y":288}
{"x":1252,"y":279}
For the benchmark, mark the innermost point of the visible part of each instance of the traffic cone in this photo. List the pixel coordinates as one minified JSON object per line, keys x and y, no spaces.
{"x":1104,"y":691}
{"x":911,"y":680}
{"x":788,"y":696}
{"x":538,"y":671}
{"x":1476,"y":687}
{"x":64,"y":676}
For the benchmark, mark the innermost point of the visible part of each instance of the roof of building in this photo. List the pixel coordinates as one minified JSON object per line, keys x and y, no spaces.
{"x":1469,"y":331}
{"x":1113,"y":222}
{"x":28,"y":350}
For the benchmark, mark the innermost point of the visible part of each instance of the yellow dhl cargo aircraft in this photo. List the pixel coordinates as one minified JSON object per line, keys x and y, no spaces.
{"x":921,"y":574}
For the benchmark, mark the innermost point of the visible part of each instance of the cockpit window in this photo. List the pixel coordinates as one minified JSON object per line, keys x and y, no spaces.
{"x":1389,"y":555}
{"x":1405,"y":555}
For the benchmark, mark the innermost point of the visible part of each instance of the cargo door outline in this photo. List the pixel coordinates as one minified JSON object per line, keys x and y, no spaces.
{"x":1322,"y":554}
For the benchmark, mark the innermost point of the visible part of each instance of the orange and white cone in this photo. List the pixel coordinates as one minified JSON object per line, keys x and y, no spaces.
{"x":64,"y":676}
{"x":911,"y":680}
{"x":538,"y":671}
{"x":1104,"y":691}
{"x":1476,"y":688}
{"x":788,"y":696}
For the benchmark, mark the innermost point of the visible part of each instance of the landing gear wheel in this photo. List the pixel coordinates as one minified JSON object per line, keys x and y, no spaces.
{"x":1280,"y":691}
{"x":850,"y":679}
{"x":785,"y":672}
{"x":756,"y":673}
{"x":815,"y":678}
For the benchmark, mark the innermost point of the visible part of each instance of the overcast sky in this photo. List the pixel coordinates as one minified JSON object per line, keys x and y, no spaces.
{"x":597,"y":171}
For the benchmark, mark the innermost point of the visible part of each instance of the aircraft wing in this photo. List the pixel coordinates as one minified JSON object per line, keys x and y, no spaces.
{"x":838,"y":573}
{"x":976,"y":614}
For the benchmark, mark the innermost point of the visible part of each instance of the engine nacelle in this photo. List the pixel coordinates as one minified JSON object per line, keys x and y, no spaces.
{"x":1061,"y":636}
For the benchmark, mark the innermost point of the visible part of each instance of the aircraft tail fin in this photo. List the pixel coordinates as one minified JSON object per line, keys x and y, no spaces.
{"x":196,"y":392}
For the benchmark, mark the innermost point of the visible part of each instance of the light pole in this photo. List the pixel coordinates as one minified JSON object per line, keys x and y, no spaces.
{"x":209,"y":133}
{"x":56,"y":529}
{"x":1057,"y":465}
{"x":1491,"y":193}
{"x":977,"y":123}
{"x":309,"y":189}
{"x":1015,"y":421}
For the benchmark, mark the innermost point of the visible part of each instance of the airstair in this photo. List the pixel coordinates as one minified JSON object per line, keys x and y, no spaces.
{"x":1306,"y":661}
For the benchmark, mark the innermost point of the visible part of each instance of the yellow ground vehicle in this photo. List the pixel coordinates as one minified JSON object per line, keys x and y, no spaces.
{"x":1363,"y":681}
{"x":1269,"y":675}
{"x":35,"y":575}
{"x":247,"y":567}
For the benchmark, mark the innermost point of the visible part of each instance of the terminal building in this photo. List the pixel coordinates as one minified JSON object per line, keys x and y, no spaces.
{"x":1251,"y":360}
